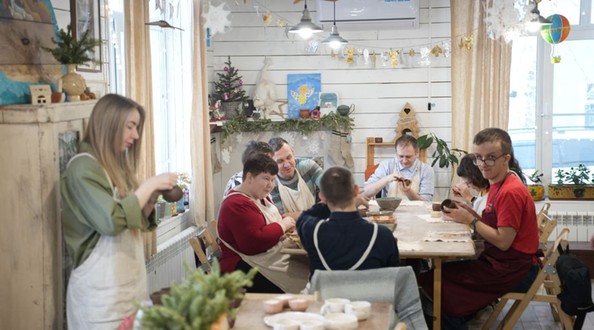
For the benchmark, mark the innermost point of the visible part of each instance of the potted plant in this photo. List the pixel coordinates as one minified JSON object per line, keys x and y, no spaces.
{"x":536,"y":188}
{"x":204,"y":301}
{"x":442,"y":155}
{"x":574,"y":183}
{"x":72,"y":52}
{"x":229,"y":90}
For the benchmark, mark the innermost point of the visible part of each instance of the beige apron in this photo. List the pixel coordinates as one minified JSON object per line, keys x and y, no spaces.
{"x":289,"y":274}
{"x":394,"y":188}
{"x":359,"y":262}
{"x":296,"y":200}
{"x":105,"y":288}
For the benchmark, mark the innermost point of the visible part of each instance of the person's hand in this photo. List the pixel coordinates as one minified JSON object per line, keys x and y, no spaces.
{"x":459,"y":214}
{"x":288,"y":224}
{"x":361,"y":199}
{"x":462,"y":190}
{"x":148,"y":208}
{"x":164,"y":181}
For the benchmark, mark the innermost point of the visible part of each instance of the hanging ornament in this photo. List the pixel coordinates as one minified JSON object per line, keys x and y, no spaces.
{"x":466,"y":42}
{"x":217,"y":19}
{"x":424,"y":60}
{"x":350,"y":54}
{"x":411,"y":52}
{"x":366,"y":56}
{"x":555,"y":34}
{"x":394,"y":58}
{"x":281,"y":22}
{"x":508,"y":18}
{"x":313,"y":46}
{"x":436,"y":51}
{"x":384,"y":56}
{"x":373,"y":58}
{"x":446,"y":49}
{"x":267,"y":18}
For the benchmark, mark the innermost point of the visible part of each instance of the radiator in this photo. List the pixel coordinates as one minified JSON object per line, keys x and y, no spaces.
{"x":167,"y":266}
{"x":580,"y":224}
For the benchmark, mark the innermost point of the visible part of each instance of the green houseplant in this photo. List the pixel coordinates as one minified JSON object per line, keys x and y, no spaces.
{"x":199,"y":303}
{"x":442,"y":155}
{"x":73,"y":52}
{"x":536,"y":188}
{"x":574,"y":183}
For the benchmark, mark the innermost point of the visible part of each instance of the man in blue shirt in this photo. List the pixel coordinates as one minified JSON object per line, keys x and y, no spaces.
{"x":404,"y":176}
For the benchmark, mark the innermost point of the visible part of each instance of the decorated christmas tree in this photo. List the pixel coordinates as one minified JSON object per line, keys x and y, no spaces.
{"x":229,"y":88}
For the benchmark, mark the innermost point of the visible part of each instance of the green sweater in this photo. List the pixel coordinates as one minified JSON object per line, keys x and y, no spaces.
{"x":89,"y":209}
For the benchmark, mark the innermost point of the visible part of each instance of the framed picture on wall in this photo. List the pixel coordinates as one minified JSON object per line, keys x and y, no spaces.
{"x":84,"y":16}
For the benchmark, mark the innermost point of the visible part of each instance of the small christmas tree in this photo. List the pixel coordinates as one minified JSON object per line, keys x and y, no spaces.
{"x":229,"y":88}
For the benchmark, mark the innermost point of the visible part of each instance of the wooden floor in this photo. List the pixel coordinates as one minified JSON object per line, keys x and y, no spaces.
{"x":536,"y":317}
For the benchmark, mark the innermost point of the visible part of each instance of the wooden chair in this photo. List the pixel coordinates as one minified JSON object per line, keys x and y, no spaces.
{"x":205,"y":246}
{"x":547,"y":277}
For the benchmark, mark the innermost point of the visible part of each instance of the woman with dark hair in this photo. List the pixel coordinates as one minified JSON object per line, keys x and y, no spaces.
{"x":105,"y":209}
{"x":251,"y":229}
{"x":472,"y":179}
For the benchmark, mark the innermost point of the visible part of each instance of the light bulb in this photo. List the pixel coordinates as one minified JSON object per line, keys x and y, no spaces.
{"x":305,"y":33}
{"x":334,"y":44}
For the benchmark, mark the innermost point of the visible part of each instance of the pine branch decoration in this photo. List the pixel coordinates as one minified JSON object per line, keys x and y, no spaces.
{"x":229,"y":88}
{"x":71,"y":51}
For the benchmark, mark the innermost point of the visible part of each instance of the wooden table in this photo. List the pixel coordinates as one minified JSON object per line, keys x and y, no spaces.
{"x":251,"y":315}
{"x":415,"y":227}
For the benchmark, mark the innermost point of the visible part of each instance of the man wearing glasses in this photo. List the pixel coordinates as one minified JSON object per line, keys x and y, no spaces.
{"x":509,"y":227}
{"x":404,"y":176}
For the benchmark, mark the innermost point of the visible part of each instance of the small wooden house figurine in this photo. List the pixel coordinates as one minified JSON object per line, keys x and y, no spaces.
{"x":407,"y":123}
{"x":40,"y":94}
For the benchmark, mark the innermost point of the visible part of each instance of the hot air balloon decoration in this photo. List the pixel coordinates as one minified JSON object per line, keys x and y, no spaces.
{"x":555,"y":34}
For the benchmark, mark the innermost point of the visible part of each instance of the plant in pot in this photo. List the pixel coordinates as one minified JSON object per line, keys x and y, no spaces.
{"x":536,"y":188}
{"x":442,"y":155}
{"x":72,"y":52}
{"x":574,"y":183}
{"x":229,"y":90}
{"x":203,"y":301}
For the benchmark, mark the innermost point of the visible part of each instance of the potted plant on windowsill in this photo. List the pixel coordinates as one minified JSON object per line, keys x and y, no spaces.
{"x":575,"y":183}
{"x":72,"y":52}
{"x":536,"y":188}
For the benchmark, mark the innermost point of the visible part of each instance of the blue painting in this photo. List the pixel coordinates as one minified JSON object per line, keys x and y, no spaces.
{"x":303,"y":91}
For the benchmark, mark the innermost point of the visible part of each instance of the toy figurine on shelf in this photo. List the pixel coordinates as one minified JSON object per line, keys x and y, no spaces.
{"x":215,"y":114}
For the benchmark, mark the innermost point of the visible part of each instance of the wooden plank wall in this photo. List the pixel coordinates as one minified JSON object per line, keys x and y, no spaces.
{"x":378,"y":93}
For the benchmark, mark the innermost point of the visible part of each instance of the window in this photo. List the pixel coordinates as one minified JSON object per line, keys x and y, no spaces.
{"x":551,"y":118}
{"x":171,"y":50}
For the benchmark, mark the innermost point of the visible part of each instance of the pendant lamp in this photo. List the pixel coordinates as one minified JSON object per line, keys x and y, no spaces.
{"x":305,"y":28}
{"x":334,"y":40}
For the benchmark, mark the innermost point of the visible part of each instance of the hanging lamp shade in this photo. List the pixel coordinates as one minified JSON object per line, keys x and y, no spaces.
{"x":334,"y":40}
{"x":306,"y":27}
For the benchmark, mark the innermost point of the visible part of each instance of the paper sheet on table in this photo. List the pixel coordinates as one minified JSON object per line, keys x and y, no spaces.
{"x":459,"y":236}
{"x":428,"y":218}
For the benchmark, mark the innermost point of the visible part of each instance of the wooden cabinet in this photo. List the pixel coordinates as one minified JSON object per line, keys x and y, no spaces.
{"x":31,"y":263}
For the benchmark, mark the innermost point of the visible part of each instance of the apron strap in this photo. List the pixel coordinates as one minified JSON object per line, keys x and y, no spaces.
{"x":360,"y":261}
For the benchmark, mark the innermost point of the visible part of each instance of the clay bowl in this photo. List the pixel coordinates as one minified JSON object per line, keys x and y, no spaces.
{"x":173,"y":195}
{"x":388,"y":203}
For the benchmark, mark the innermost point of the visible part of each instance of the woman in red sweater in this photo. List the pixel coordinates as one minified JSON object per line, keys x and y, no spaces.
{"x":251,"y":230}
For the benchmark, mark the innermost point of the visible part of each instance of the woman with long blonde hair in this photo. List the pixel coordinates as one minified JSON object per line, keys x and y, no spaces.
{"x":104,"y":211}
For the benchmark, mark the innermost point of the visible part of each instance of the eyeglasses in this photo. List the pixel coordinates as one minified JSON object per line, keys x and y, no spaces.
{"x":489,"y":161}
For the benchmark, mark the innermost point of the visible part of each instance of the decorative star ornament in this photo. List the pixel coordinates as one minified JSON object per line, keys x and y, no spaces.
{"x":217,"y":18}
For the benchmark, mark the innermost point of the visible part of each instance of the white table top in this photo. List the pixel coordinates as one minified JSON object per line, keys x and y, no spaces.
{"x":419,"y":235}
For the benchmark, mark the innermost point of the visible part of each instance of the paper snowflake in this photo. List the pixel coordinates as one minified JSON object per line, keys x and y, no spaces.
{"x":217,"y":18}
{"x":507,"y":18}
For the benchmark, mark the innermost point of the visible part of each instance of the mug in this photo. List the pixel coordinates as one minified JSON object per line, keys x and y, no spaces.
{"x":334,"y":305}
{"x":360,"y":309}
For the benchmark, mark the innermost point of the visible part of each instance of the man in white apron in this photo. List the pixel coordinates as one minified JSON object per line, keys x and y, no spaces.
{"x":334,"y":234}
{"x":297,"y":180}
{"x":404,"y":176}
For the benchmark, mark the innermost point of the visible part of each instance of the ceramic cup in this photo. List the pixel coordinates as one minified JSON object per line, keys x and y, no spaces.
{"x":285,"y":299}
{"x":360,"y":309}
{"x":298,"y":304}
{"x":272,"y":306}
{"x":334,"y":305}
{"x":312,"y":325}
{"x":341,"y":321}
{"x":286,"y":324}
